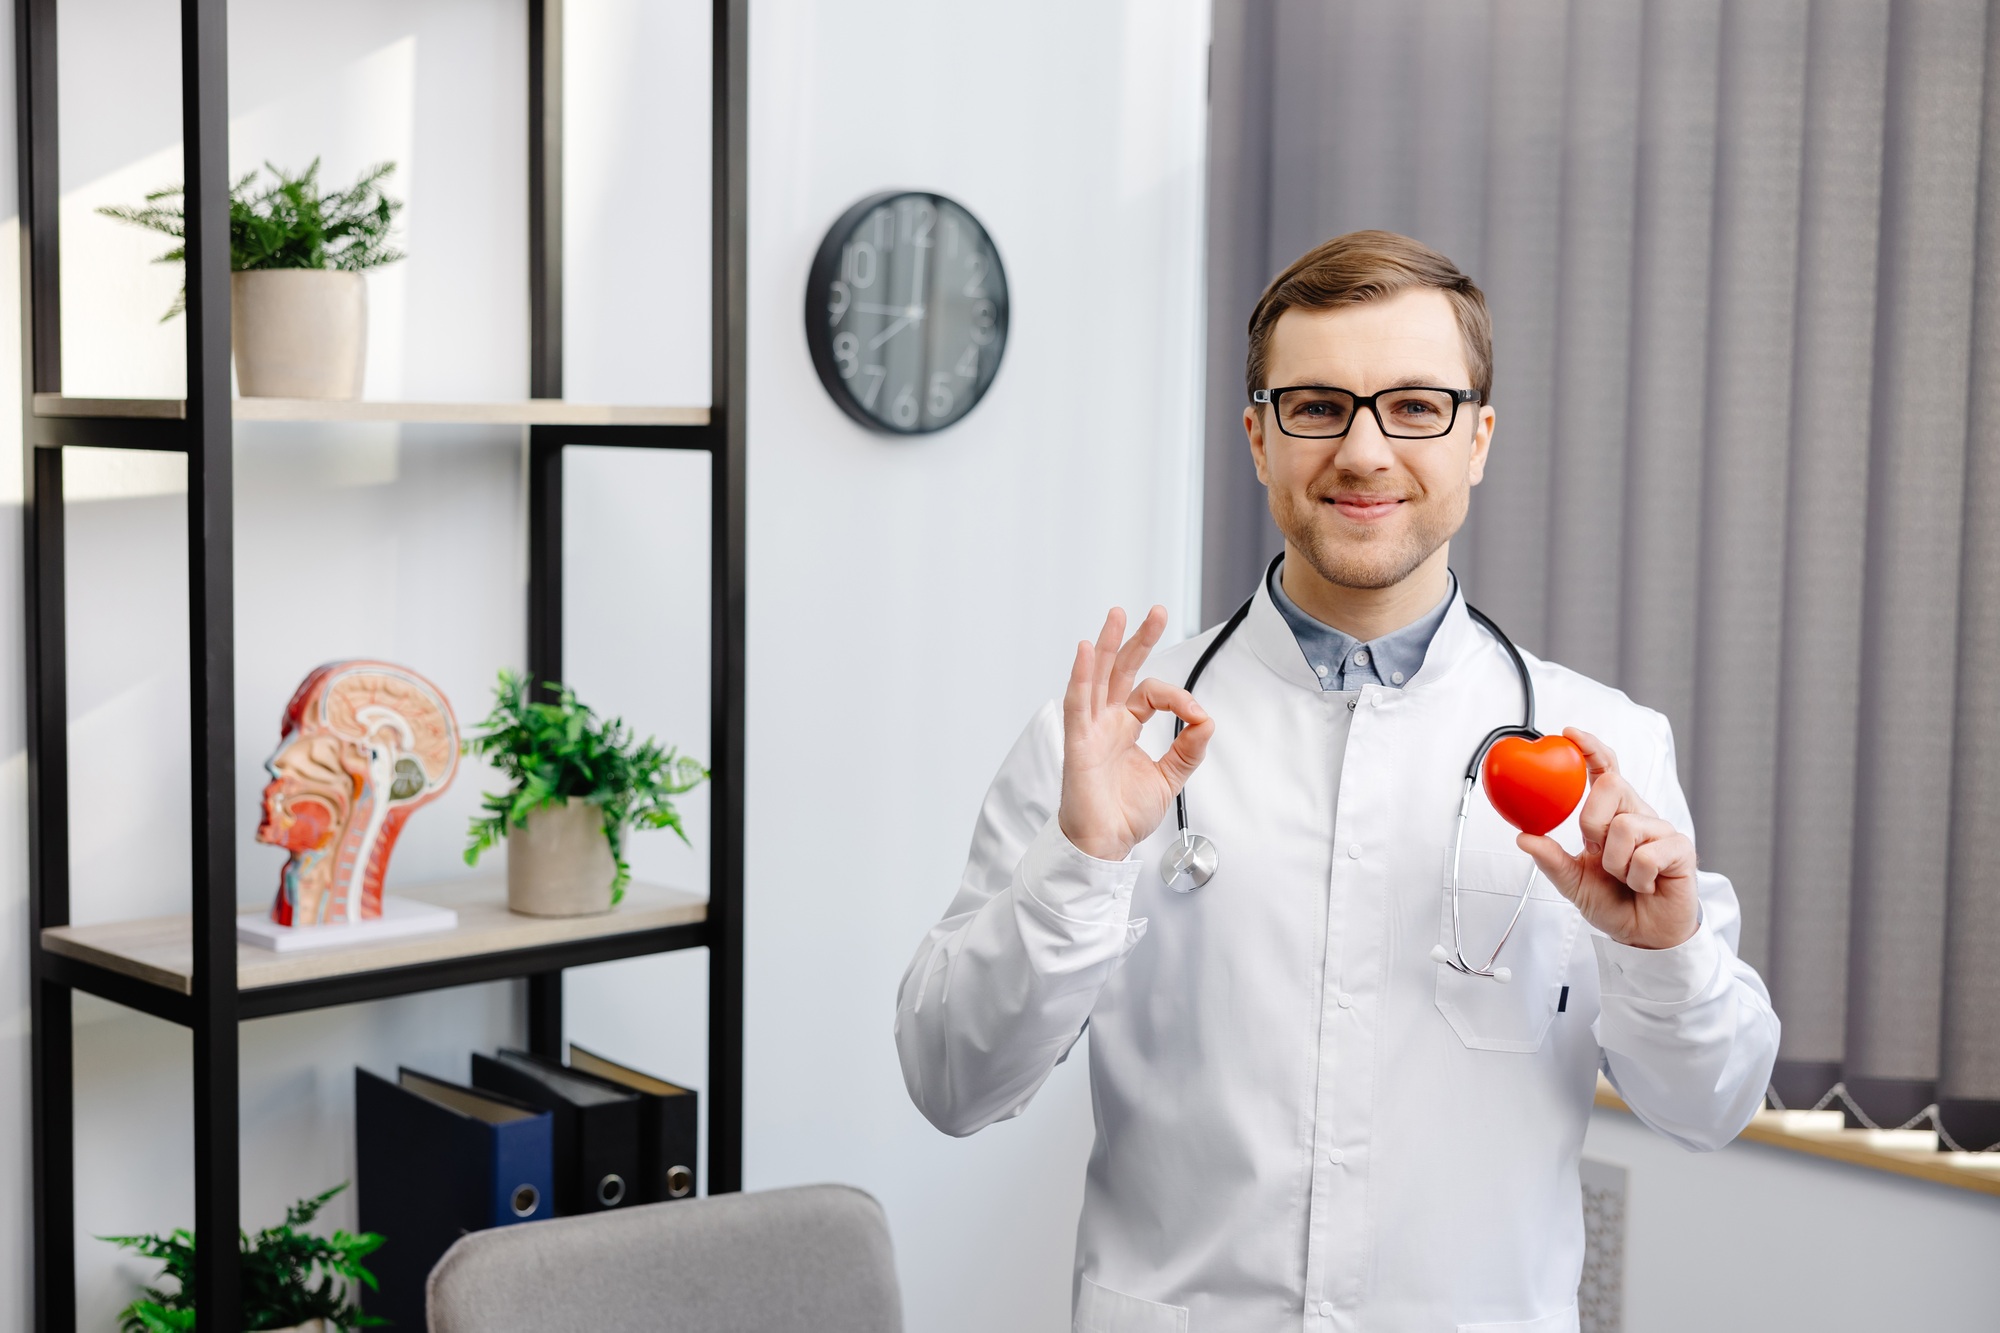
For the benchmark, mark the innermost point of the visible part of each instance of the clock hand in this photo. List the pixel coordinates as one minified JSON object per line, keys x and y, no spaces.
{"x":869,"y":308}
{"x":917,"y":287}
{"x":891,"y":331}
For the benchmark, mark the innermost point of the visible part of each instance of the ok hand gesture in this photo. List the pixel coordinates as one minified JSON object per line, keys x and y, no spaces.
{"x":1636,"y":878}
{"x":1113,"y":792}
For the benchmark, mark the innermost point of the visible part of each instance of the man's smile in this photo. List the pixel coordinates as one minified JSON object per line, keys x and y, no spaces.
{"x":1363,"y":507}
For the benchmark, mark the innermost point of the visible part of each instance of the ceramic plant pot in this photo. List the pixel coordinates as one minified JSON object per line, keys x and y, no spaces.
{"x":560,"y":864}
{"x":298,"y":332}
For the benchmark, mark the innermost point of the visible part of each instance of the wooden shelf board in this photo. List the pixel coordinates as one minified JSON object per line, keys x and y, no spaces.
{"x":527,"y":412}
{"x":1979,"y":1172}
{"x":160,"y":950}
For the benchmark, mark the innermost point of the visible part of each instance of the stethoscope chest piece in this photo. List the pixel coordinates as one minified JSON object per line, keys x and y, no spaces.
{"x":1189,"y":862}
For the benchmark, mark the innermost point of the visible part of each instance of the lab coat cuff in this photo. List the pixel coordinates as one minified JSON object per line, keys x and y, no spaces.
{"x":1675,"y":976}
{"x":1069,"y":883}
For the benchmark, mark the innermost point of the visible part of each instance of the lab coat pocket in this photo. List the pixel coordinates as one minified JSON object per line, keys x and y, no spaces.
{"x":1512,"y":1015}
{"x":1102,"y":1310}
{"x":1562,"y":1321}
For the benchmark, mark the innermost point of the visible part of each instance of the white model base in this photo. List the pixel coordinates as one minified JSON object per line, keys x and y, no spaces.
{"x":400,"y":916}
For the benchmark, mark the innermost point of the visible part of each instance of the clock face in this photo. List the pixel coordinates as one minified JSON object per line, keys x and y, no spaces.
{"x":906,"y":312}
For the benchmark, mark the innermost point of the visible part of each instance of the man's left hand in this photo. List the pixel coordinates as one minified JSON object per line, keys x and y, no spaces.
{"x":1636,"y":878}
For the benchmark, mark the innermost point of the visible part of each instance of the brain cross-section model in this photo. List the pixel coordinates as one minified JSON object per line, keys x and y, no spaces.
{"x":363,"y":745}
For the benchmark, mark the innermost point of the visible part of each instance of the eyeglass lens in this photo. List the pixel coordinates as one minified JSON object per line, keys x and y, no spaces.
{"x":1405,"y":414}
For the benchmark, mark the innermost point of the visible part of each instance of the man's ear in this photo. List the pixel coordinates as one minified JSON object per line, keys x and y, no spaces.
{"x":1482,"y":440}
{"x":1253,"y":426}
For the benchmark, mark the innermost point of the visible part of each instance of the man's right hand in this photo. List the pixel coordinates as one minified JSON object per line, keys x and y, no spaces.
{"x":1113,"y":793}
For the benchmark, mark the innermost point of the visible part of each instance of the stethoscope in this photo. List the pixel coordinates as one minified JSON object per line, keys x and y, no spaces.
{"x":1190,"y":861}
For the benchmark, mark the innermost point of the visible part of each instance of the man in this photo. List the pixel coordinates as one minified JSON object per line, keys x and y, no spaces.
{"x":1311,"y":1113}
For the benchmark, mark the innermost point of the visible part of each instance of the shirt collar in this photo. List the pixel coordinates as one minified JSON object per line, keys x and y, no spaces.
{"x":1342,"y":662}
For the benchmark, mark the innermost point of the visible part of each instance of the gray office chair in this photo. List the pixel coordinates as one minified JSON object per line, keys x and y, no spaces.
{"x":810,"y":1260}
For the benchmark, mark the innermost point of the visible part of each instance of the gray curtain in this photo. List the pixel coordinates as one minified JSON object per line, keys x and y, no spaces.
{"x":1744,"y":263}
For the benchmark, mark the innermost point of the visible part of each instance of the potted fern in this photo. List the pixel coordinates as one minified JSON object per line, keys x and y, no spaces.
{"x":578,"y":783}
{"x":298,"y":300}
{"x":293,"y":1281}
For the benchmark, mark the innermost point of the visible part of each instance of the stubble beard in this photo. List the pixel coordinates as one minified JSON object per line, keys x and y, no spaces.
{"x":1368,"y":560}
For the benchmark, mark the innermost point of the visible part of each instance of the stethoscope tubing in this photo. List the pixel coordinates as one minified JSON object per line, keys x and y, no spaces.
{"x":1194,"y":856}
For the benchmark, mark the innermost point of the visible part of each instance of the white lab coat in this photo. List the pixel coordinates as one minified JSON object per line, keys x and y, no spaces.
{"x":1303,"y":1121}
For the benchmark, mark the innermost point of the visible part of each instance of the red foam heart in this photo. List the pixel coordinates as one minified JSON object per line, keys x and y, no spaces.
{"x":1534,"y":784}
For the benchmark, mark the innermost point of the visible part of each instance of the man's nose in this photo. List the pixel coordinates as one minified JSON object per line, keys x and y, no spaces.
{"x":1365,"y":448}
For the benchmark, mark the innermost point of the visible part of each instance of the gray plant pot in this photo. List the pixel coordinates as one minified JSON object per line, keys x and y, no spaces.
{"x":298,"y":332}
{"x":560,"y":864}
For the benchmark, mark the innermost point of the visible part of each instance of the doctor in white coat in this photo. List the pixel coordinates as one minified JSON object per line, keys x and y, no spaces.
{"x":1305,"y":1120}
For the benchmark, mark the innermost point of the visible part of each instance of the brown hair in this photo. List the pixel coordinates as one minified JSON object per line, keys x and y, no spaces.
{"x":1370,"y":266}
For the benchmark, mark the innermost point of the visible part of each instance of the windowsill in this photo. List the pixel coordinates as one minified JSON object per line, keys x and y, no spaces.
{"x":1903,"y":1152}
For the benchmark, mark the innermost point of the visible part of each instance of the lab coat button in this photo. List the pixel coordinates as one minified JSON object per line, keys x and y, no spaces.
{"x":1336,"y":1156}
{"x":1326,"y":1309}
{"x":1346,"y":1001}
{"x":1354,"y":850}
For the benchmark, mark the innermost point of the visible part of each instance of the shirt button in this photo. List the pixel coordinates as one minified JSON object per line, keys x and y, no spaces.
{"x":1320,"y":668}
{"x":1361,"y":657}
{"x":1396,"y":677}
{"x":1336,"y":1156}
{"x":1354,"y":851}
{"x":1326,"y":1309}
{"x":1346,"y":1001}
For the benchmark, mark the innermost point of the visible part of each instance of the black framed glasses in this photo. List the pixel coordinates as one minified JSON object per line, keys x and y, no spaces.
{"x":1321,"y":412}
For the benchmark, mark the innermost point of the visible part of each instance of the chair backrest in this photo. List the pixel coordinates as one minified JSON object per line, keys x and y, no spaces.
{"x":815,"y":1259}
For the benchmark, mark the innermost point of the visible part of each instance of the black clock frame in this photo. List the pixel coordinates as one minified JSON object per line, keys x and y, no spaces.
{"x":826,"y":267}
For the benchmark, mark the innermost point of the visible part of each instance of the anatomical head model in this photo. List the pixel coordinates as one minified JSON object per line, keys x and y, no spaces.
{"x":364,"y":744}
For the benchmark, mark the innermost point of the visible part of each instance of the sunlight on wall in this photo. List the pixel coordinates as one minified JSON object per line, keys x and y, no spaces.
{"x":115,"y":345}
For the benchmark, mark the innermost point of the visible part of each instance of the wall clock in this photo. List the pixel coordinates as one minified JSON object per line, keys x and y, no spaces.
{"x":906,"y":312}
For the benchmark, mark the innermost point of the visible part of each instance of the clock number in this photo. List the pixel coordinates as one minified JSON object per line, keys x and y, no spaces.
{"x":982,"y":322}
{"x":968,"y":365}
{"x":976,"y":284}
{"x":951,"y":238}
{"x":922,"y":218}
{"x":885,"y":229}
{"x":843,"y":296}
{"x":904,"y":410}
{"x":874,"y":385}
{"x":847,"y":351}
{"x":860,"y":273}
{"x":940,"y":397}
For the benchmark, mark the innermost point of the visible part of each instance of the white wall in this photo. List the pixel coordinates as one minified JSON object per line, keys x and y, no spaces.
{"x":1754,"y":1239}
{"x":913,"y":602}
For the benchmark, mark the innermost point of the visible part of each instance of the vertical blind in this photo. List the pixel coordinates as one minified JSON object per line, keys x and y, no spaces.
{"x":1743,"y":258}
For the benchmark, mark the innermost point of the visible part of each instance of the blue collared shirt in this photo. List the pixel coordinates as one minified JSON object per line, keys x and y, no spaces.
{"x":1343,"y":662}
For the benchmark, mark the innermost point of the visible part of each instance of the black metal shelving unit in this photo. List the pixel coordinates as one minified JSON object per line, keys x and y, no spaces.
{"x":202,"y":429}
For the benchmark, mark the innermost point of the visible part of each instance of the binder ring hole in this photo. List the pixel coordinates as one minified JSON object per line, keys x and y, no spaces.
{"x":526,"y":1199}
{"x":611,"y":1190}
{"x":680,"y":1182}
